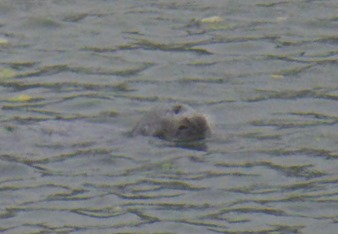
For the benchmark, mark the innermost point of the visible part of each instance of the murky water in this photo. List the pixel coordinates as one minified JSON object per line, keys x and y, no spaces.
{"x":75,"y":76}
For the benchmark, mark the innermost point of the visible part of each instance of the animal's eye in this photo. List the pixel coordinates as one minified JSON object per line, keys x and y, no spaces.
{"x":177,"y":109}
{"x":182,"y":127}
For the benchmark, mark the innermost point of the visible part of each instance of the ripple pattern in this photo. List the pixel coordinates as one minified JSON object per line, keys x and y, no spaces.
{"x":76,"y":75}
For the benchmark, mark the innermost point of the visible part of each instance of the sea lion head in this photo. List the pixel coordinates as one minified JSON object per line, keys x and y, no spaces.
{"x":182,"y":123}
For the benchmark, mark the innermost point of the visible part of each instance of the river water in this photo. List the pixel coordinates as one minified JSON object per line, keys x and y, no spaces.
{"x":75,"y":76}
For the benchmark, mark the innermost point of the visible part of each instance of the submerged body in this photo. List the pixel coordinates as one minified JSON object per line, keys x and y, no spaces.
{"x":176,"y":122}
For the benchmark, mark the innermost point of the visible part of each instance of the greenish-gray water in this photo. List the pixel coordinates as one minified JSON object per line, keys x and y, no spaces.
{"x":76,"y":76}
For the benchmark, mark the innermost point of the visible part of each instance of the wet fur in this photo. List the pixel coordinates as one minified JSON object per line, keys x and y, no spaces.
{"x":176,"y":122}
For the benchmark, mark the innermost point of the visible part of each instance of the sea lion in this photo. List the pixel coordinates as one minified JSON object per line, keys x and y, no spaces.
{"x":174,"y":122}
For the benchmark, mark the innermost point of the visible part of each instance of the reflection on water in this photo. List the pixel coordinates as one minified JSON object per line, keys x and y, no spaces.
{"x":76,"y":76}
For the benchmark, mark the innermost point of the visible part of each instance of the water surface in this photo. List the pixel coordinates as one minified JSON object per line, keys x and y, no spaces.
{"x":75,"y":76}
